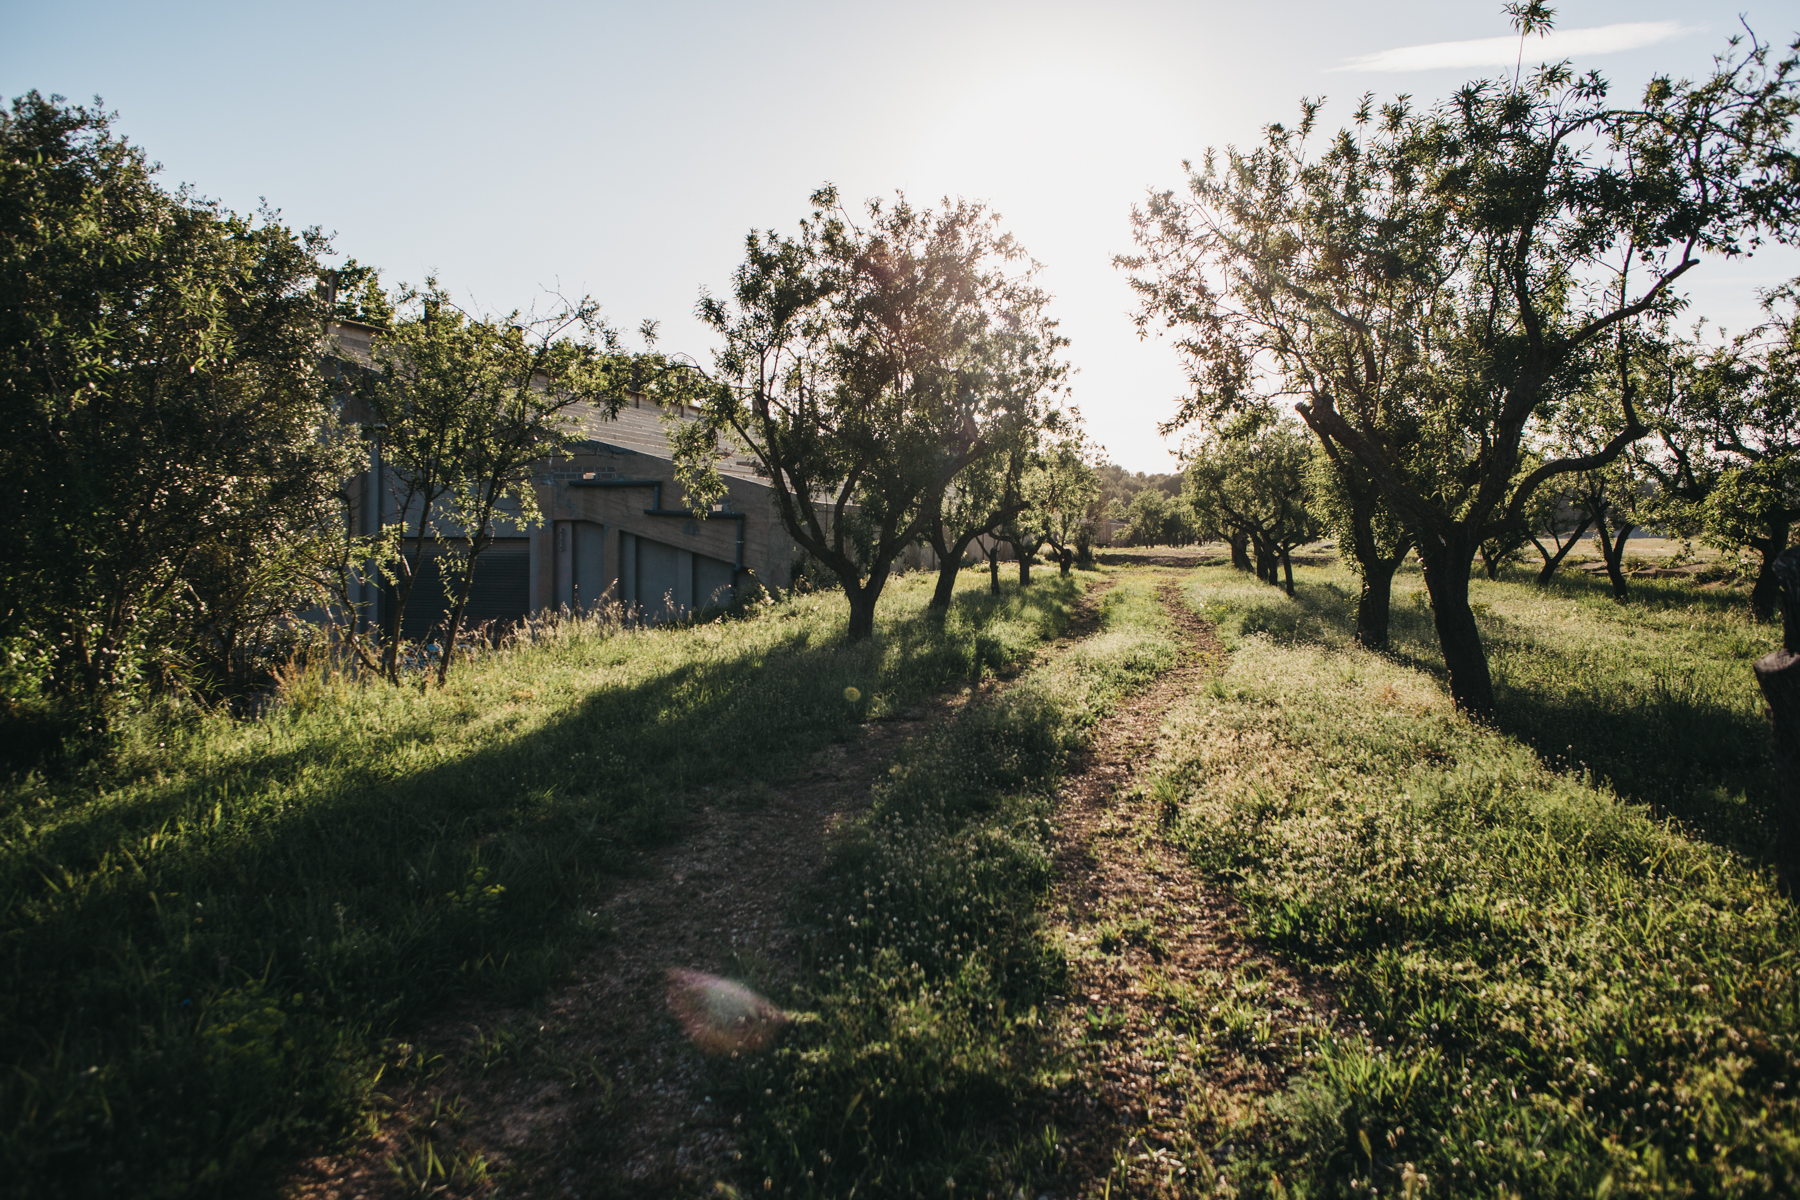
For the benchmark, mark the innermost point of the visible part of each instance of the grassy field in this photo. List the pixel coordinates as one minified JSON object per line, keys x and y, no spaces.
{"x":1568,"y":977}
{"x":921,"y":1041}
{"x":212,"y":951}
{"x":1567,"y":973}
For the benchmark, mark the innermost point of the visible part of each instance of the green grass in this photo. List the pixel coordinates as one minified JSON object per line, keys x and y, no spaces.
{"x":921,"y":1042}
{"x":1556,"y":988}
{"x":209,"y":952}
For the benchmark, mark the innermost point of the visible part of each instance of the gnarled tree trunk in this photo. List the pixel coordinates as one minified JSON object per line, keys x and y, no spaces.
{"x":1613,"y":553}
{"x":1374,"y":606}
{"x":1766,"y":594}
{"x":1447,"y":566}
{"x":1240,"y":552}
{"x":949,"y":555}
{"x":1553,"y":561}
{"x":862,"y":609}
{"x":1778,"y":675}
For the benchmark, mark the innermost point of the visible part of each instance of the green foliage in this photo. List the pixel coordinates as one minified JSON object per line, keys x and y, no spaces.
{"x":1728,"y":458}
{"x":168,"y":458}
{"x":205,"y":951}
{"x":1153,"y":518}
{"x":1118,"y":487}
{"x":1065,"y":486}
{"x":359,"y":295}
{"x":464,"y":408}
{"x":1427,"y":280}
{"x":856,"y":363}
{"x":1551,"y":991}
{"x":1253,"y":478}
{"x":922,"y":1035}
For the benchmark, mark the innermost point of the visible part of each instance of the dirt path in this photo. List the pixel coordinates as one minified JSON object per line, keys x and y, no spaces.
{"x":1177,"y":1026}
{"x":593,"y":1092}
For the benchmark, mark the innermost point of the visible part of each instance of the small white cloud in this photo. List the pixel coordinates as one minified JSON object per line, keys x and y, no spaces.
{"x":1554,"y":46}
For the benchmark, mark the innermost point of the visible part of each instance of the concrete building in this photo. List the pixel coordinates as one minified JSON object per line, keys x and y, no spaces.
{"x":614,"y":529}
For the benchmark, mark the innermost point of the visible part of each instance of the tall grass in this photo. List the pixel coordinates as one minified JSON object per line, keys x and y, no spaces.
{"x":205,"y":951}
{"x":921,"y":1040}
{"x":1556,"y":991}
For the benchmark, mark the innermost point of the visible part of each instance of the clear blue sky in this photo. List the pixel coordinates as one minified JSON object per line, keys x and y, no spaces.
{"x":624,"y":150}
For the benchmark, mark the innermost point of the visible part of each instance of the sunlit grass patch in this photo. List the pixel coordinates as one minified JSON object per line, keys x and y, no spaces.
{"x":924,"y":1032}
{"x":1551,"y":988}
{"x":205,"y":950}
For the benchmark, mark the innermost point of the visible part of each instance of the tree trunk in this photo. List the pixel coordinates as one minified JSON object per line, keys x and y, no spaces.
{"x":1778,"y":675}
{"x":1287,"y":571}
{"x":455,"y":627}
{"x":1374,"y":605}
{"x":1553,"y":561}
{"x":1265,"y":559}
{"x":1447,"y":579}
{"x":402,"y":595}
{"x":1240,"y":554}
{"x":1767,"y":592}
{"x":949,"y":565}
{"x":1066,"y":558}
{"x":1614,"y":554}
{"x":1490,"y":562}
{"x":862,"y":609}
{"x":1024,"y":565}
{"x":993,"y":557}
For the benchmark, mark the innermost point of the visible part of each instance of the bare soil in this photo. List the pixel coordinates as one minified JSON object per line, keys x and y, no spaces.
{"x":595,"y":1092}
{"x":1163,"y":1077}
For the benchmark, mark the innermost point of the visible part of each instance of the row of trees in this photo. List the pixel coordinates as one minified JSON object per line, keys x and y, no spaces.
{"x":175,"y":448}
{"x":1442,"y":289}
{"x":1720,"y":464}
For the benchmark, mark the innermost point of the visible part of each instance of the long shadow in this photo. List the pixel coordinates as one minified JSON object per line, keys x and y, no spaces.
{"x":1686,"y":738}
{"x":1684,"y":735}
{"x":177,"y":1016}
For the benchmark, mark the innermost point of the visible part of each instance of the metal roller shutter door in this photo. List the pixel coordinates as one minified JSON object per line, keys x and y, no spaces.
{"x":501,"y":591}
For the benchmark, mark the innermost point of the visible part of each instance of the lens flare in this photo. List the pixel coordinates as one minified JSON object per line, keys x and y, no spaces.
{"x":720,"y":1016}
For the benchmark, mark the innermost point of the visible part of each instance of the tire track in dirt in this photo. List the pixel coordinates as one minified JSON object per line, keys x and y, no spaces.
{"x":1176,"y":1025}
{"x":593,"y":1092}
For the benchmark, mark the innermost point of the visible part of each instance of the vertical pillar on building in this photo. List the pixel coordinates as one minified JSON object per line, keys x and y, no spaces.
{"x":628,"y":571}
{"x":565,"y":565}
{"x":542,"y":542}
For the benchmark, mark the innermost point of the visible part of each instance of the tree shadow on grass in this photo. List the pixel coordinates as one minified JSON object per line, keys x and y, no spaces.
{"x":203,"y":976}
{"x":1683,"y":735}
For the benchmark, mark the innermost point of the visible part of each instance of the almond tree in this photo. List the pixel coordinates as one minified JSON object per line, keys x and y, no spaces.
{"x":1016,"y":412}
{"x":1727,"y":455}
{"x":1064,"y":489}
{"x":1252,"y":477}
{"x":1431,"y":281}
{"x":856,"y":363}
